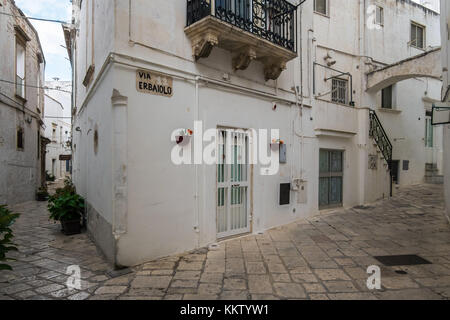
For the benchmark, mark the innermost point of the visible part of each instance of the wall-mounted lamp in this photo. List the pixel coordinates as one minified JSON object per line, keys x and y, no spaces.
{"x":78,"y":129}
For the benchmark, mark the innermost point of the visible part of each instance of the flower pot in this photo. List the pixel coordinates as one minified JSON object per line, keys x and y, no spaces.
{"x":71,"y":227}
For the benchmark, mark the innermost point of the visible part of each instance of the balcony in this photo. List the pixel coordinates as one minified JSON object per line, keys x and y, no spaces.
{"x":262,"y":30}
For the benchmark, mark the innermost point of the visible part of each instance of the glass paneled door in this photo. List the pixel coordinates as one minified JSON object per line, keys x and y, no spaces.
{"x":232,"y":183}
{"x":330,"y":178}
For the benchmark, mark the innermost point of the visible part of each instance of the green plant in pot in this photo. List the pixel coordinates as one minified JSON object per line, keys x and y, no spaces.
{"x":7,"y":218}
{"x":42,"y":194}
{"x":67,"y":208}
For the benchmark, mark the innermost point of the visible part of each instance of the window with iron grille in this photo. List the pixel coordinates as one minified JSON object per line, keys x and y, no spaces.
{"x":20,"y":139}
{"x":386,"y":98}
{"x":339,"y":91}
{"x":417,"y":36}
{"x":379,"y":19}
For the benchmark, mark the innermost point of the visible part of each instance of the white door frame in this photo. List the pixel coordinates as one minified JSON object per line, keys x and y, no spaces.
{"x":228,"y":222}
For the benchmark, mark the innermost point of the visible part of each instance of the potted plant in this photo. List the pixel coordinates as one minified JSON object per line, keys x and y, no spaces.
{"x":7,"y":218}
{"x":42,"y":194}
{"x":49,"y":177}
{"x":67,"y":207}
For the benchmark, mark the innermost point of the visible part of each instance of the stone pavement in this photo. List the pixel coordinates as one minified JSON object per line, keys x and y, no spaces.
{"x":324,"y":257}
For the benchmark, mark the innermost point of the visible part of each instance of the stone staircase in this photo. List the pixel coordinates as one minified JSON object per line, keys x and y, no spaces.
{"x":431,"y":174}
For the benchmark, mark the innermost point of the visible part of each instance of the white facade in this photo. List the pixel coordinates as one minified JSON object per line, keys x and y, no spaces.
{"x":21,"y":107}
{"x":445,"y":22}
{"x":140,"y":204}
{"x":58,"y":131}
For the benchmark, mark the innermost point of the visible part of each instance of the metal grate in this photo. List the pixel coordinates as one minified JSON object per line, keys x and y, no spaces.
{"x":402,"y":260}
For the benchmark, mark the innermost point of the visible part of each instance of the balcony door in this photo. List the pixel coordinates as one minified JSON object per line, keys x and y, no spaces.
{"x":238,"y":12}
{"x":233,"y":216}
{"x":331,"y":177}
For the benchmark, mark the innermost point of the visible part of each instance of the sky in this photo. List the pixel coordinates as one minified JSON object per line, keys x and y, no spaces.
{"x":52,"y":37}
{"x":50,"y":34}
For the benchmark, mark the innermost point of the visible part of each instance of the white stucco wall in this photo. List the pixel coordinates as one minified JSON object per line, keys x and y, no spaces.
{"x":20,"y":170}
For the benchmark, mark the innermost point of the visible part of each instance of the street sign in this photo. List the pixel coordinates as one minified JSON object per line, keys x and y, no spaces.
{"x":65,"y":157}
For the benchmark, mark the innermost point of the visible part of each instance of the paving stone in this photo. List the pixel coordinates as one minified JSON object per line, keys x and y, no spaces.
{"x":161,"y":282}
{"x":259,"y":284}
{"x":25,"y":294}
{"x":14,"y":288}
{"x":398,"y":283}
{"x":434,"y":282}
{"x":352,"y":296}
{"x":331,"y":274}
{"x":340,"y":286}
{"x":318,"y":296}
{"x":264,"y":297}
{"x":408,"y":294}
{"x":187,"y":275}
{"x":209,"y":288}
{"x":234,"y":284}
{"x":79,"y":296}
{"x":111,"y":290}
{"x":234,"y":295}
{"x":314,"y":287}
{"x":304,"y":277}
{"x":123,"y":280}
{"x":184,"y":284}
{"x":50,"y":288}
{"x":190,"y":265}
{"x":255,"y":268}
{"x":211,"y":277}
{"x":290,"y":290}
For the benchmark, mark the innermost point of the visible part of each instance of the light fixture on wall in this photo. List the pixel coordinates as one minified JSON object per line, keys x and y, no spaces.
{"x":329,"y":58}
{"x":184,"y":136}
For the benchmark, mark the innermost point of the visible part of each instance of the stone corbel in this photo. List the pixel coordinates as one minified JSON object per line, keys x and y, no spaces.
{"x":273,"y":69}
{"x":202,"y":47}
{"x":243,"y":59}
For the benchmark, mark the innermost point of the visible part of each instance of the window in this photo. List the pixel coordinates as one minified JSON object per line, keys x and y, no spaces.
{"x":339,"y":91}
{"x":20,"y":69}
{"x":379,"y":18}
{"x":20,"y":139}
{"x":417,"y":36}
{"x":321,"y":6}
{"x":386,"y":98}
{"x":38,"y":144}
{"x":428,"y":133}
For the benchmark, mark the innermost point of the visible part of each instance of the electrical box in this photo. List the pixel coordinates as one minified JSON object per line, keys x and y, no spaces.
{"x":283,"y":155}
{"x":285,"y":194}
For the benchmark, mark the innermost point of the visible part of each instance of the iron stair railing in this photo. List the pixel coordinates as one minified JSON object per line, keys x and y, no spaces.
{"x":376,"y":131}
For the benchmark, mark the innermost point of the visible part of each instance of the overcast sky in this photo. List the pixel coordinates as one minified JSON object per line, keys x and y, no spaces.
{"x":50,"y":33}
{"x":52,"y":37}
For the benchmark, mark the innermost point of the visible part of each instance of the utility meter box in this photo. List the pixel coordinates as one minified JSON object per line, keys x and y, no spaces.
{"x":283,"y":153}
{"x":302,"y":196}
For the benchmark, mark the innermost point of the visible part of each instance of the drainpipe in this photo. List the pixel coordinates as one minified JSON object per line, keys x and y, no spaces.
{"x":196,"y":187}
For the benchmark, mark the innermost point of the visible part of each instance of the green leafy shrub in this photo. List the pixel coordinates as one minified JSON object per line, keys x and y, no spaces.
{"x":7,"y":218}
{"x":65,"y":206}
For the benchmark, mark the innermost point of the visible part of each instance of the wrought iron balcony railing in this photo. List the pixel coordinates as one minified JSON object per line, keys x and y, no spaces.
{"x":272,"y":20}
{"x":381,"y":138}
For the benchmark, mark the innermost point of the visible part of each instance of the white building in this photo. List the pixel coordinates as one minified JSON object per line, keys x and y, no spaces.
{"x":143,"y":77}
{"x":445,"y":22}
{"x":22,"y":146}
{"x":58,"y":131}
